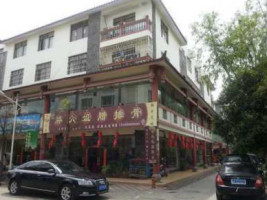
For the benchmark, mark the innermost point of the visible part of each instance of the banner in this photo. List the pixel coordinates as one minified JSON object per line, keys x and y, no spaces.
{"x":24,"y":123}
{"x":102,"y":118}
{"x":31,"y":140}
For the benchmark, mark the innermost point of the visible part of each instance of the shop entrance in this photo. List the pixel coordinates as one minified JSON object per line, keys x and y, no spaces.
{"x":95,"y":159}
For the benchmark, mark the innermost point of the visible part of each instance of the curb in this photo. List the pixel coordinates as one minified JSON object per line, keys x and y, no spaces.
{"x":189,"y":180}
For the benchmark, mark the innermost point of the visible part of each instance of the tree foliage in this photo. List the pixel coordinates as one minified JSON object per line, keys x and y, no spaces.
{"x":244,"y":117}
{"x":228,"y":47}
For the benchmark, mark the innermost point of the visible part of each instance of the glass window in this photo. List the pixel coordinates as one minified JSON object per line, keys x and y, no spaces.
{"x":107,"y":100}
{"x":164,"y":32}
{"x":32,"y":107}
{"x":44,"y":167}
{"x":175,"y":119}
{"x":79,"y":30}
{"x":125,"y":18}
{"x":123,"y":55}
{"x":63,"y":103}
{"x":20,"y":49}
{"x":33,"y":166}
{"x":46,"y":41}
{"x":16,"y":77}
{"x":43,"y":71}
{"x":165,"y":114}
{"x":86,"y":103}
{"x":136,"y":93}
{"x":77,"y":63}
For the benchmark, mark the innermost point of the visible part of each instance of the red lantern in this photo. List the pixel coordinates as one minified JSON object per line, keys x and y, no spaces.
{"x":99,"y":141}
{"x":175,"y":140}
{"x":115,"y":140}
{"x":83,"y":141}
{"x":51,"y":142}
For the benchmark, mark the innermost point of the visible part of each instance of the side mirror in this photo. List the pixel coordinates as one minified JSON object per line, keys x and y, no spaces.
{"x":51,"y":171}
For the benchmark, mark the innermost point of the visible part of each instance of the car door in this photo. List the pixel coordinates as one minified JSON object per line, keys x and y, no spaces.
{"x":28,"y":175}
{"x":46,"y":179}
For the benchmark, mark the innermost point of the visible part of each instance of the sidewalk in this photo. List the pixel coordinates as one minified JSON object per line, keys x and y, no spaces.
{"x":179,"y":179}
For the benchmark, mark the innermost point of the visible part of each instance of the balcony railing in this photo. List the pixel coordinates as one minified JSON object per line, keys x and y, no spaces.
{"x":167,"y":116}
{"x":126,"y":29}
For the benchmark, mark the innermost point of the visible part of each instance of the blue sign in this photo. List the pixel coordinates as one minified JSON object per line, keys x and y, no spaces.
{"x":24,"y":124}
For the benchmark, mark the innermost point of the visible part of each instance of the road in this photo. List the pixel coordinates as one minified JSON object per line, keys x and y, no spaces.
{"x":201,"y":190}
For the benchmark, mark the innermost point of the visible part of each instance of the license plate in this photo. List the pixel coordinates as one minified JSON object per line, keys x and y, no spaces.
{"x":238,"y":181}
{"x":102,"y":187}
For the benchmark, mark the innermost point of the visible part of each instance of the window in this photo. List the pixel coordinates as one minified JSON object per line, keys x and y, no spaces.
{"x":165,"y":114}
{"x":189,"y":65}
{"x":175,"y":118}
{"x":126,"y":54}
{"x":86,"y":103}
{"x":44,"y":167}
{"x":164,"y":32}
{"x":16,"y":77}
{"x":77,"y":63}
{"x":183,"y":122}
{"x":107,"y":100}
{"x":32,"y":166}
{"x":20,"y":49}
{"x":43,"y":71}
{"x":125,"y":18}
{"x":79,"y":30}
{"x":46,"y":41}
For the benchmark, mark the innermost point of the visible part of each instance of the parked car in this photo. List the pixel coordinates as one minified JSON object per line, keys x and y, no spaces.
{"x":63,"y":178}
{"x":239,"y":179}
{"x":236,"y":159}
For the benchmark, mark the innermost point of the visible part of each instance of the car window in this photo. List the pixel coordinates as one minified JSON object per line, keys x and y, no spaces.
{"x":32,"y":166}
{"x":239,"y":169}
{"x":236,"y":159}
{"x":44,"y":167}
{"x":68,"y":167}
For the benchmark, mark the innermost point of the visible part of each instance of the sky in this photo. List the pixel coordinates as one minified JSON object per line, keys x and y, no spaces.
{"x":18,"y":16}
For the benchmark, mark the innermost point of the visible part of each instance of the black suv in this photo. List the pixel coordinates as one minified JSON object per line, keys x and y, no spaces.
{"x":63,"y":178}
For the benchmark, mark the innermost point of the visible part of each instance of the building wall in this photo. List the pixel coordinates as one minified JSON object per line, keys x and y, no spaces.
{"x":2,"y":66}
{"x":61,"y":50}
{"x":172,"y":47}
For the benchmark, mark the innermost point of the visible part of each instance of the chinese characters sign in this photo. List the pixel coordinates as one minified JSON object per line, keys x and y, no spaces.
{"x":151,"y":149}
{"x":101,"y":118}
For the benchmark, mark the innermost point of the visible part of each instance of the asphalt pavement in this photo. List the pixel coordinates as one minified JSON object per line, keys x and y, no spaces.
{"x":203,"y":189}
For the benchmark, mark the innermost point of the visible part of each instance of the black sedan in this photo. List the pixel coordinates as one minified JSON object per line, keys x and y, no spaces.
{"x":239,"y":179}
{"x":63,"y":178}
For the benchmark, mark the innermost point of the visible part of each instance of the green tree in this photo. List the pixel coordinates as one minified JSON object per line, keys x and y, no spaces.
{"x":226,"y":48}
{"x":244,"y":116}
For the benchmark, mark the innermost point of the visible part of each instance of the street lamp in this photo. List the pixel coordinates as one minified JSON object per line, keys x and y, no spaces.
{"x":15,"y":103}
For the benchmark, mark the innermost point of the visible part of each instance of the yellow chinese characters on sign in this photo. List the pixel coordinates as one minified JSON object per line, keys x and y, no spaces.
{"x":58,"y":120}
{"x":87,"y":117}
{"x":136,"y":113}
{"x":46,"y":123}
{"x":72,"y":118}
{"x":118,"y":114}
{"x":102,"y":115}
{"x":152,"y":114}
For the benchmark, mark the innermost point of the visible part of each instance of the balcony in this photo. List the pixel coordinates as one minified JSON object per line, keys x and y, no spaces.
{"x":167,"y":117}
{"x":126,"y":29}
{"x":126,"y":53}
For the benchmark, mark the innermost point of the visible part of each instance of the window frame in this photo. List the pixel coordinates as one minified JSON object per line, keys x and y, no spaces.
{"x":164,"y":32}
{"x":44,"y":66}
{"x":105,"y":96}
{"x":42,"y":38}
{"x":20,"y":81}
{"x":83,"y":25}
{"x":21,"y":45}
{"x":77,"y":67}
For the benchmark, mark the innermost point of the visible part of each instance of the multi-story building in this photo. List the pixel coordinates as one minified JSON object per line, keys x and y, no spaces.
{"x":109,"y":84}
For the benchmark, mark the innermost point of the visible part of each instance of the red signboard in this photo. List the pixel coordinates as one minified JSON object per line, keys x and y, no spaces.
{"x":103,"y":118}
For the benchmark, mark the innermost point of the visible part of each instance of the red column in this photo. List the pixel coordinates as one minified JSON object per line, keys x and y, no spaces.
{"x":204,"y":154}
{"x":105,"y":157}
{"x":43,"y":136}
{"x":194,"y":152}
{"x":155,"y":88}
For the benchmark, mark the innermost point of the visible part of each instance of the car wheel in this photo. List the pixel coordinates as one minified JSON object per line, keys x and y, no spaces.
{"x":219,"y":197}
{"x":66,"y":192}
{"x":14,"y":187}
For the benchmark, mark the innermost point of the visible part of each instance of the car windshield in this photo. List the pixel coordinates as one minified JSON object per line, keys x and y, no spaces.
{"x":239,"y":169}
{"x":68,"y":167}
{"x":236,"y":159}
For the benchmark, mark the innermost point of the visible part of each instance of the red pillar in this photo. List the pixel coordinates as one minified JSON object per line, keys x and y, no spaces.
{"x":155,"y":88}
{"x":194,"y":155}
{"x":204,"y":154}
{"x":43,"y":136}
